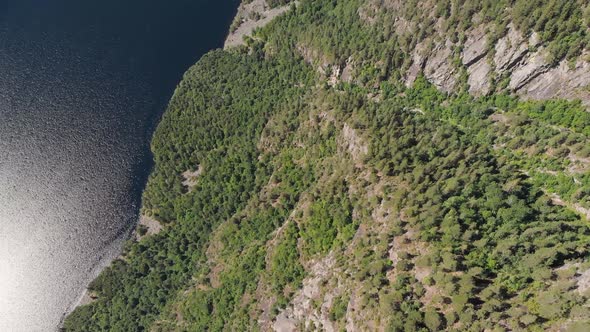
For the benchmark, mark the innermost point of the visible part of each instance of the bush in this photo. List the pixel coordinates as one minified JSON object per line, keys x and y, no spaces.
{"x":339,"y":307}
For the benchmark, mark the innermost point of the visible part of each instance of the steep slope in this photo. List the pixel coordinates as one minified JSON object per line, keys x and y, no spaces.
{"x":363,"y":165}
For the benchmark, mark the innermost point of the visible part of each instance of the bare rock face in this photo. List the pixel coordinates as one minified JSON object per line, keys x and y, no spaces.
{"x":475,"y":46}
{"x":347,"y":71}
{"x":418,"y":61}
{"x":531,"y":75}
{"x":479,"y":77}
{"x":302,"y":313}
{"x":251,"y":16}
{"x":561,"y":82}
{"x":510,"y":49}
{"x":534,"y":39}
{"x":402,"y":26}
{"x":439,"y":69}
{"x":517,"y":56}
{"x":528,"y":69}
{"x":474,"y":58}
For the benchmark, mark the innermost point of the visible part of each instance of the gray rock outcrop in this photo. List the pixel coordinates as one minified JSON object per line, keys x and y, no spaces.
{"x":479,"y":77}
{"x":509,"y":50}
{"x":527,"y":69}
{"x":515,"y":57}
{"x":561,"y":81}
{"x":440,"y":70}
{"x":475,"y":46}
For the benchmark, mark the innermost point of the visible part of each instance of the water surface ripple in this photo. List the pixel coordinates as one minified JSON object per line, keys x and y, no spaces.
{"x":82,"y":84}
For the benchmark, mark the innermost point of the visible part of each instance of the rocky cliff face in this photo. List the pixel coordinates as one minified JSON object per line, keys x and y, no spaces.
{"x":516,"y":62}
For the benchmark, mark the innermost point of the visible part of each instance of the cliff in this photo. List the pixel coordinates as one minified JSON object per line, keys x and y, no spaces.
{"x":369,"y":166}
{"x":485,"y":56}
{"x":516,"y":58}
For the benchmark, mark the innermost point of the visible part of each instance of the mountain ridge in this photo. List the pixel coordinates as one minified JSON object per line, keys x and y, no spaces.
{"x":521,"y":59}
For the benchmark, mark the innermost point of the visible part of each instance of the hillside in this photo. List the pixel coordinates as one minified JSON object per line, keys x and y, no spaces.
{"x":369,"y":165}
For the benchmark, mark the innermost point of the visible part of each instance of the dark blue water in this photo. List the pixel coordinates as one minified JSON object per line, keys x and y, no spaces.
{"x":82,"y":85}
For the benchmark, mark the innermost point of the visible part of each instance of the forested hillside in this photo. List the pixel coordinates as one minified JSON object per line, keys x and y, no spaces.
{"x":339,"y":171}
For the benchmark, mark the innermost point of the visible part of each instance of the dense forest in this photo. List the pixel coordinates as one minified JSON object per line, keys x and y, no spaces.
{"x":361,"y":202}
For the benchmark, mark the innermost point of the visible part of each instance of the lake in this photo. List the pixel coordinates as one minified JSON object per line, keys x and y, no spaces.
{"x":82,"y":86}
